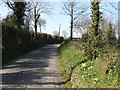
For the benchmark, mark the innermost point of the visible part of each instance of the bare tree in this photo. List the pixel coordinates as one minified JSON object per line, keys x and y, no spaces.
{"x":41,"y":22}
{"x":82,"y":26}
{"x":38,"y":9}
{"x":1,"y":4}
{"x":116,"y":8}
{"x":56,"y":33}
{"x":118,"y":24}
{"x":113,"y":5}
{"x":73,"y":10}
{"x":29,"y":14}
{"x":65,"y":33}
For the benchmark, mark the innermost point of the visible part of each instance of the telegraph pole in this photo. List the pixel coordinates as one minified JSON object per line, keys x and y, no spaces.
{"x":59,"y":29}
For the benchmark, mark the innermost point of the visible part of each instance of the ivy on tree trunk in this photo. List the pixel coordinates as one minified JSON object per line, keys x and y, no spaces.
{"x":95,"y":17}
{"x":93,"y":38}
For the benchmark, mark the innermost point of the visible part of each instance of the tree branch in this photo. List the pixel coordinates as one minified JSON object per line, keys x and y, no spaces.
{"x":113,"y":5}
{"x":107,"y":10}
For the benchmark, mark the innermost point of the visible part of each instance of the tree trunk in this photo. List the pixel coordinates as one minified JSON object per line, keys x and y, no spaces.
{"x":119,"y":19}
{"x":35,"y":22}
{"x":35,"y":30}
{"x":71,"y":36}
{"x":40,"y":29}
{"x":95,"y":17}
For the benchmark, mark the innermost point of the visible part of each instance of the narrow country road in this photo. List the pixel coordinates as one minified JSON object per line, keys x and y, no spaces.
{"x":36,"y":69}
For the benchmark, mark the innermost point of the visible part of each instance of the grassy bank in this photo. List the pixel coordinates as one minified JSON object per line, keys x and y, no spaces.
{"x":10,"y":53}
{"x":77,"y":72}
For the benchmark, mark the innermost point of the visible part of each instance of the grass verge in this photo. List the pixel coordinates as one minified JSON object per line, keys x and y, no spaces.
{"x":78,"y":73}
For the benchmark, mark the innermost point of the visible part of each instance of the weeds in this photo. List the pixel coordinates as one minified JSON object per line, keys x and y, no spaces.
{"x":83,"y":73}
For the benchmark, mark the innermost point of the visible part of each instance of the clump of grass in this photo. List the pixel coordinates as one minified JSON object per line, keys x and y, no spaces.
{"x":98,"y":73}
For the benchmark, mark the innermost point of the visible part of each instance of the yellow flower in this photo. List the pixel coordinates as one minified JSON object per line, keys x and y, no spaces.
{"x":83,"y":65}
{"x":82,"y":76}
{"x":96,"y":79}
